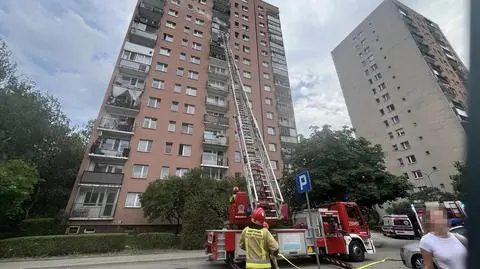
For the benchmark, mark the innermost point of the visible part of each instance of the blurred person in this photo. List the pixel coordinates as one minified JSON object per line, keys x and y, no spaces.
{"x":439,"y":244}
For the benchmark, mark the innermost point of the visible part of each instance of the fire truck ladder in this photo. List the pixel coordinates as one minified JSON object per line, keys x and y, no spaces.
{"x":262,"y":185}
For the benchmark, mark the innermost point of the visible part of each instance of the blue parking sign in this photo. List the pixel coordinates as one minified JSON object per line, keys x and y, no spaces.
{"x":303,"y":181}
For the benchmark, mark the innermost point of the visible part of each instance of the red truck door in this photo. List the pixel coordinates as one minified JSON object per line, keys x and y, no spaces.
{"x":351,"y":218}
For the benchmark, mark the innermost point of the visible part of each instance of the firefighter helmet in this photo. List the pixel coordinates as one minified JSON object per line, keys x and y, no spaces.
{"x":258,"y":216}
{"x":235,"y":189}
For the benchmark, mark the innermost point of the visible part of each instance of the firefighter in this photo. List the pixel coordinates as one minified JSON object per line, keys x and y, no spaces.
{"x":232,"y":198}
{"x":258,"y":242}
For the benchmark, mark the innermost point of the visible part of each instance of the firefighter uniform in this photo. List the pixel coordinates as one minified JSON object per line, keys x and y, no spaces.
{"x":258,"y":243}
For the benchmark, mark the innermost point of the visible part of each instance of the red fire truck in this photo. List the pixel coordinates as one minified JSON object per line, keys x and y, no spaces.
{"x":338,"y":228}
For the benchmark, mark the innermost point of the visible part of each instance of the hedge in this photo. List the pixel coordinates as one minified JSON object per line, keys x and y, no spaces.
{"x":57,"y":245}
{"x":41,"y":226}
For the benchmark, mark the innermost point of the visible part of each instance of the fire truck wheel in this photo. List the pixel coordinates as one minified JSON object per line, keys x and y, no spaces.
{"x":356,"y":251}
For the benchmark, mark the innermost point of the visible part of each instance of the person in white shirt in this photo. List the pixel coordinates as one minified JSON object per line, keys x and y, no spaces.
{"x":441,"y":245}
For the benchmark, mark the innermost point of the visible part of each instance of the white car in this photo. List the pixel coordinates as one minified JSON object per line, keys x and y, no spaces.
{"x":410,"y":253}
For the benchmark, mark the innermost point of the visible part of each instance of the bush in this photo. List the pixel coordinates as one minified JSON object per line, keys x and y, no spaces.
{"x":41,"y":226}
{"x":155,"y":240}
{"x":55,"y":245}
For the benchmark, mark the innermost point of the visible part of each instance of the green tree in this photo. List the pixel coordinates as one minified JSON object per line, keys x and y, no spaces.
{"x":341,"y":166}
{"x":17,"y":183}
{"x":431,"y":194}
{"x":459,"y":181}
{"x":400,"y":208}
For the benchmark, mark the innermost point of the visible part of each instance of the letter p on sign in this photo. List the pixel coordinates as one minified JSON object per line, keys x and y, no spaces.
{"x":303,"y":182}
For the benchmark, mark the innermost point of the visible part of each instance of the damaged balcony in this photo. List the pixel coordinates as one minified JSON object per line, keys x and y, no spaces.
{"x":117,"y":125}
{"x":151,"y":10}
{"x":215,"y":121}
{"x":123,"y":101}
{"x":95,"y":202}
{"x":143,"y":35}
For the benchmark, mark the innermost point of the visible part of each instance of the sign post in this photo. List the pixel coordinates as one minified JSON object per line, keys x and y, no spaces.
{"x":304,"y":185}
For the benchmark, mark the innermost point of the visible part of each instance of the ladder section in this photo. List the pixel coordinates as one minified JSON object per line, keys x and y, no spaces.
{"x":263,"y":188}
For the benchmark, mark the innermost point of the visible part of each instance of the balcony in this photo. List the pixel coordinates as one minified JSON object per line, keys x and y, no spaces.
{"x":117,"y":125}
{"x":123,"y":101}
{"x":215,"y":121}
{"x":216,"y":104}
{"x":286,"y":123}
{"x":216,"y":88}
{"x":217,"y":72}
{"x":112,"y":150}
{"x":134,"y":68}
{"x":449,"y":92}
{"x":289,"y":139}
{"x":214,"y":160}
{"x":441,"y":79}
{"x":91,"y":177}
{"x":151,"y":10}
{"x":94,"y":203}
{"x":143,"y":38}
{"x":215,"y":142}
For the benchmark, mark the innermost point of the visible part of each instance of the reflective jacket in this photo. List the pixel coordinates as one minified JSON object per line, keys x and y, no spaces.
{"x":258,"y":244}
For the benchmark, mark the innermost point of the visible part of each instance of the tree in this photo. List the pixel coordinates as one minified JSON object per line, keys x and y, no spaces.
{"x":459,"y":181}
{"x":400,"y":208}
{"x":342,"y":166}
{"x":431,"y":194}
{"x":17,"y":183}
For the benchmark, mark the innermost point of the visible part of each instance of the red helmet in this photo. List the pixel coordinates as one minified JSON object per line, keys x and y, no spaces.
{"x":258,"y":216}
{"x":265,"y":225}
{"x":235,"y":189}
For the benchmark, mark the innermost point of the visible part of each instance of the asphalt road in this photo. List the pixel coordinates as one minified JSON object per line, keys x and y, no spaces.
{"x":388,"y":247}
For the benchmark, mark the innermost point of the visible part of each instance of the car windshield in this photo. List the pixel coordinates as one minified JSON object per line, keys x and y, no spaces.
{"x":459,"y":230}
{"x":401,"y":222}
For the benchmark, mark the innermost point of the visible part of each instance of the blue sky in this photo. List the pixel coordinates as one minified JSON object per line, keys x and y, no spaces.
{"x":69,"y":47}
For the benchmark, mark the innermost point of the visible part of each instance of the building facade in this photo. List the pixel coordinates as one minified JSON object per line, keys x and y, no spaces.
{"x":168,"y":106}
{"x":404,"y":87}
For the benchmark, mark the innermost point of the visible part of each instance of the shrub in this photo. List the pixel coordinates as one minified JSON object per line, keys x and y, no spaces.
{"x":53,"y":245}
{"x":41,"y":226}
{"x":155,"y":240}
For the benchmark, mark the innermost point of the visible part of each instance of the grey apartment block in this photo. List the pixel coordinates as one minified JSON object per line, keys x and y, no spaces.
{"x":404,"y":87}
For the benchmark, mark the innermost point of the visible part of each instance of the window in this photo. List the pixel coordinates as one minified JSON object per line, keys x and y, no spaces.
{"x":177,"y":88}
{"x":246,"y":61}
{"x":149,"y":123}
{"x":171,"y":126}
{"x":174,"y":107}
{"x":189,"y":109}
{"x":182,"y":56}
{"x":237,"y":46}
{"x":184,"y":42}
{"x":260,"y":8}
{"x":247,"y":88}
{"x":400,"y":132}
{"x":374,"y":91}
{"x":192,"y":75}
{"x":185,"y":150}
{"x":180,"y":172}
{"x":196,"y":46}
{"x":198,"y":33}
{"x":263,"y":43}
{"x":374,"y":67}
{"x":367,"y":72}
{"x":262,"y":33}
{"x":165,"y":51}
{"x":170,"y":24}
{"x":377,"y":100}
{"x":244,"y":8}
{"x":272,"y":147}
{"x":161,"y":67}
{"x":417,"y":174}
{"x":246,"y":49}
{"x":268,"y":101}
{"x":264,"y":53}
{"x":261,"y":24}
{"x":154,"y":102}
{"x":367,"y":50}
{"x":168,"y":147}
{"x":266,"y":75}
{"x":199,"y":21}
{"x":405,"y":145}
{"x":386,"y":97}
{"x":158,"y":84}
{"x":386,"y":123}
{"x":391,"y":108}
{"x":203,"y":2}
{"x":173,"y":13}
{"x":411,"y":159}
{"x":370,"y":58}
{"x":238,"y":157}
{"x":247,"y":74}
{"x":274,"y":165}
{"x":378,"y":76}
{"x":400,"y":162}
{"x":265,"y":64}
{"x":271,"y":131}
{"x":164,"y":171}
{"x":395,"y":120}
{"x":246,"y":38}
{"x":245,"y":27}
{"x":382,"y":112}
{"x":187,"y":128}
{"x":245,"y":17}
{"x":191,"y":91}
{"x":395,"y":147}
{"x":382,"y":86}
{"x":133,"y":200}
{"x":390,"y":134}
{"x":195,"y":60}
{"x":267,"y":88}
{"x":176,"y":2}
{"x":188,"y":18}
{"x":168,"y":38}
{"x":140,"y":171}
{"x":180,"y":71}
{"x":144,"y":145}
{"x":370,"y":81}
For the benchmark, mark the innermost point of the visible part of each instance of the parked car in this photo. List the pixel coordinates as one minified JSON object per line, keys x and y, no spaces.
{"x":410,"y":253}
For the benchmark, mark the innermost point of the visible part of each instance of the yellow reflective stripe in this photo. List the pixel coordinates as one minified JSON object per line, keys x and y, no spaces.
{"x":262,"y":244}
{"x":254,"y":265}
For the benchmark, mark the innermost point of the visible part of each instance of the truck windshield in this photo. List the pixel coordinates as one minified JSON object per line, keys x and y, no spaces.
{"x":401,"y":222}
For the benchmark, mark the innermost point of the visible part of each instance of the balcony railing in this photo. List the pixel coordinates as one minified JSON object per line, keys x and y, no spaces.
{"x":102,"y":178}
{"x":123,"y":124}
{"x":215,"y":161}
{"x":289,"y":139}
{"x":220,"y":141}
{"x":96,"y":151}
{"x":142,"y":37}
{"x":217,"y":87}
{"x":92,"y":211}
{"x":222,"y":104}
{"x":134,"y":67}
{"x":215,"y":120}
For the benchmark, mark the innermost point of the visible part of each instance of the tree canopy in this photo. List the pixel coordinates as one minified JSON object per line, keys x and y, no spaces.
{"x":459,"y":181}
{"x":342,"y":167}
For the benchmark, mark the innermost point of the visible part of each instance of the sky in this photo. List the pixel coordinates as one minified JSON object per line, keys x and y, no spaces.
{"x":69,"y":48}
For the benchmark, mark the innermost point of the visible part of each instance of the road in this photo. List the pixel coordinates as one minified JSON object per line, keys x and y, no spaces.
{"x":388,"y":247}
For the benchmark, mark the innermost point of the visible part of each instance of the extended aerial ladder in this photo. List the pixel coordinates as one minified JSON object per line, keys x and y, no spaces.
{"x":262,"y":186}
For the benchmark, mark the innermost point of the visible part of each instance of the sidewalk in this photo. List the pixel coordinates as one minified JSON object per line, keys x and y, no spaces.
{"x":87,"y":261}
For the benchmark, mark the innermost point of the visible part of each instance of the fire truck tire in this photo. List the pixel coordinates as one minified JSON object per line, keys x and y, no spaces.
{"x":357,"y":254}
